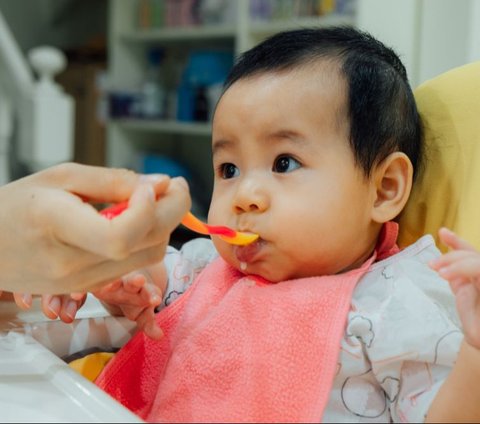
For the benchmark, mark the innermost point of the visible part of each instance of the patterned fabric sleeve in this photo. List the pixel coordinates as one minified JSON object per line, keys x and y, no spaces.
{"x":184,"y":265}
{"x":401,"y":341}
{"x":413,"y":336}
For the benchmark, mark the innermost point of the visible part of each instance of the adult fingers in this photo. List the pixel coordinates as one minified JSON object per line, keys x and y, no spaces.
{"x":79,"y":296}
{"x":169,"y":210}
{"x":23,"y":300}
{"x":69,"y":308}
{"x":51,"y":305}
{"x":81,"y":226}
{"x":143,"y":224}
{"x":99,"y":183}
{"x":63,"y":307}
{"x":102,"y":273}
{"x":94,"y":277}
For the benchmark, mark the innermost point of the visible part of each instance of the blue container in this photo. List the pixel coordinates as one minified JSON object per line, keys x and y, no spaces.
{"x":204,"y":68}
{"x":208,"y":67}
{"x":151,"y":163}
{"x":186,"y":102}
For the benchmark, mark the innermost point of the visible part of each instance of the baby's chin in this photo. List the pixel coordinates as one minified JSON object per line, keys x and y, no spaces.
{"x":275,"y":273}
{"x":262,"y":270}
{"x":253,"y":261}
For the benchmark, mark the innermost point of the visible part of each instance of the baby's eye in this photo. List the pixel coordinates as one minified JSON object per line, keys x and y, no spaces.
{"x":285,"y":164}
{"x":228,"y":170}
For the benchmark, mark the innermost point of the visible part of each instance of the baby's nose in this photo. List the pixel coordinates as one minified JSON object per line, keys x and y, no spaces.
{"x":251,"y":196}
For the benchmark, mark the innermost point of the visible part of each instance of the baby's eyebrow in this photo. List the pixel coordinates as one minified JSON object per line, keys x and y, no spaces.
{"x":280,"y":136}
{"x":221,"y":144}
{"x":289,"y":135}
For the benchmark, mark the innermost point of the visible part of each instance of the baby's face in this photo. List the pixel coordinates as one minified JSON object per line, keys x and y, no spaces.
{"x":284,"y":170}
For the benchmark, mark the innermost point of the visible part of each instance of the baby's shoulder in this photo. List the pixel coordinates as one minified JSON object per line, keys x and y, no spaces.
{"x":198,"y":250}
{"x":405,"y":281}
{"x":410,"y":263}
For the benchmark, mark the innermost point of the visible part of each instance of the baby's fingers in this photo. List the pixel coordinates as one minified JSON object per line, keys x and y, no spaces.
{"x":151,"y":294}
{"x":108,"y":291}
{"x":141,"y":284}
{"x":450,"y":239}
{"x":449,"y":258}
{"x":461,"y":265}
{"x":148,"y":298}
{"x":146,"y":323}
{"x":111,"y":287}
{"x":134,"y":283}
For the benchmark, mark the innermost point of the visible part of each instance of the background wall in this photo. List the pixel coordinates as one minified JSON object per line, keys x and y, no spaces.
{"x":61,"y":23}
{"x":79,"y":28}
{"x":432,"y":36}
{"x":446,"y":31}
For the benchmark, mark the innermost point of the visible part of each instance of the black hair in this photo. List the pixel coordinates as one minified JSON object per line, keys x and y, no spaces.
{"x":381,"y":108}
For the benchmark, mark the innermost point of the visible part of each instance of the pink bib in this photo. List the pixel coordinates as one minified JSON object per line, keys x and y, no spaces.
{"x":239,"y":349}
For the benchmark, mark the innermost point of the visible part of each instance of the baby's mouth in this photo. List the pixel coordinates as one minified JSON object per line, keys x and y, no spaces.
{"x":246,"y":254}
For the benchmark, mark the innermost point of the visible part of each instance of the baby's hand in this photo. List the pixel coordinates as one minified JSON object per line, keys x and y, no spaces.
{"x":135,"y":297}
{"x":461,"y":267}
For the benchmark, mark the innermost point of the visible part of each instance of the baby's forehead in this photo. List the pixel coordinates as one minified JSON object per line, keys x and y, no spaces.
{"x":327,"y":69}
{"x":315,"y":78}
{"x":311,"y":74}
{"x":292,"y":99}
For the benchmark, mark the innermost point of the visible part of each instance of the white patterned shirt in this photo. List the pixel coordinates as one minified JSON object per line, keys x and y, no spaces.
{"x":401,"y":340}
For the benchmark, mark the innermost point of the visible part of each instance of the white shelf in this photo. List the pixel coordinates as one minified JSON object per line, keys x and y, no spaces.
{"x":165,"y":126}
{"x":200,"y":33}
{"x":127,"y":65}
{"x":257,"y":28}
{"x":228,"y":32}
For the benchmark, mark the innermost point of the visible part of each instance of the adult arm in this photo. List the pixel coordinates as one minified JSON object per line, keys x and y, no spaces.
{"x":53,"y":241}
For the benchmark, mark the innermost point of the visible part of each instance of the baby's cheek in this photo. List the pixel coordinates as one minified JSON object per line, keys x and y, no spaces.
{"x":225,"y":250}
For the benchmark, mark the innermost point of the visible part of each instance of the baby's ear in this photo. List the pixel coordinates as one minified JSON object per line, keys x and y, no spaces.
{"x":393,"y":183}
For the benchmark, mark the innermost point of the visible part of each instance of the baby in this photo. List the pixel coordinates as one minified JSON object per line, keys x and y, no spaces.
{"x":316,"y":141}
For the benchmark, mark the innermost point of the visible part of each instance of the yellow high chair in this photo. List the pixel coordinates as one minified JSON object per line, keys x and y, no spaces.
{"x":447,"y":192}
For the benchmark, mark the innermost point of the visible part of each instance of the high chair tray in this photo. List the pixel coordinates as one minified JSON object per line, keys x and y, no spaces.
{"x":37,"y":386}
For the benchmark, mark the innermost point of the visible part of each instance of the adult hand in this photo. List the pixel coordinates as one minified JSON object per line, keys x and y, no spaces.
{"x":54,"y":242}
{"x":64,"y":307}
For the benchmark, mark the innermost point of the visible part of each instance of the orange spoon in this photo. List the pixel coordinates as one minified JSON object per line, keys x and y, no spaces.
{"x":194,"y":224}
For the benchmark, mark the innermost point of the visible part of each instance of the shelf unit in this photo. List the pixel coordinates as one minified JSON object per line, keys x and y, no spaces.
{"x":166,"y":127}
{"x":411,"y":27}
{"x":414,"y":28}
{"x":179,"y":34}
{"x":241,"y":36}
{"x":127,"y":47}
{"x":225,"y":32}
